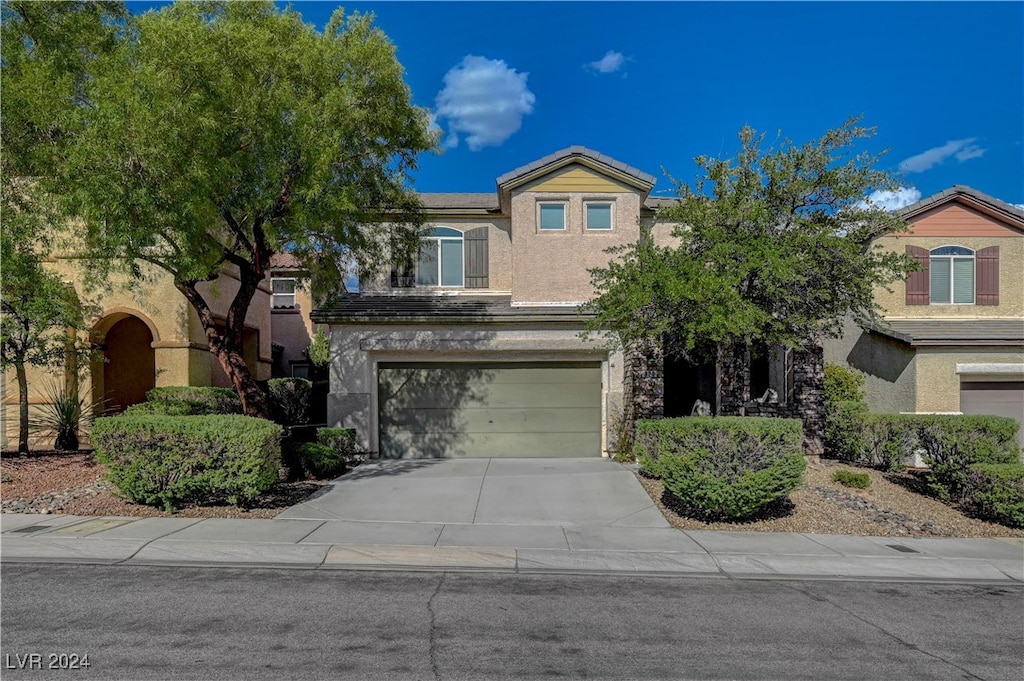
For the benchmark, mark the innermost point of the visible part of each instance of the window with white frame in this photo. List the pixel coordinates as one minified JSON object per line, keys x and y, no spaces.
{"x":440,"y":261}
{"x":951,"y":275}
{"x":598,"y":215}
{"x":283,"y":291}
{"x":551,"y":217}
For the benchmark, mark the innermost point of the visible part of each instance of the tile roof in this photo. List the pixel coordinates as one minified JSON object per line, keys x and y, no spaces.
{"x":437,"y":200}
{"x":572,"y":151}
{"x":961,"y":190}
{"x":954,"y":331}
{"x":379,"y":308}
{"x":286,"y":261}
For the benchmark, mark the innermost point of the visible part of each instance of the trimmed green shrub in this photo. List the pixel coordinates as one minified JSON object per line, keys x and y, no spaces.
{"x":949,"y":443}
{"x":719,"y":466}
{"x":313,"y":459}
{"x":844,"y":405}
{"x":995,"y":491}
{"x":186,"y":400}
{"x":289,"y":400}
{"x":852,"y":479}
{"x":170,"y":460}
{"x":340,"y":440}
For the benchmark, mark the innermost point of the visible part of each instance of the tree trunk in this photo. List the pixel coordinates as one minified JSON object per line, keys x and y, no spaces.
{"x":226,"y":343}
{"x":22,"y":408}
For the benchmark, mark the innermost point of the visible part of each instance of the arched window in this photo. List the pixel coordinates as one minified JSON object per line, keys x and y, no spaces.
{"x":951,"y":275}
{"x":441,"y":259}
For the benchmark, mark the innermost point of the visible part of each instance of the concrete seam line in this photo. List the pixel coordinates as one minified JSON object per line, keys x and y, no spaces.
{"x":480,"y":493}
{"x":299,"y":540}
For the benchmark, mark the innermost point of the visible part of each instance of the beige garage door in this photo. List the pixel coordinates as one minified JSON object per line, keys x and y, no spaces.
{"x":490,"y":410}
{"x":1001,"y":399}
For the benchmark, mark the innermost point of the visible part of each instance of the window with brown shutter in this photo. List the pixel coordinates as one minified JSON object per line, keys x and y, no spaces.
{"x":917,"y":282}
{"x":987,"y":276}
{"x":476,"y":258}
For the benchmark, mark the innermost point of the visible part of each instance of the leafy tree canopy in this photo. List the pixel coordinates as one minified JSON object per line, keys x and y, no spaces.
{"x":216,"y":134}
{"x":774,"y":246}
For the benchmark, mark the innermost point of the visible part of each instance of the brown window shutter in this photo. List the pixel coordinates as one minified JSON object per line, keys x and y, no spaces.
{"x":475,"y":242}
{"x":917,"y":282}
{"x":987,"y":276}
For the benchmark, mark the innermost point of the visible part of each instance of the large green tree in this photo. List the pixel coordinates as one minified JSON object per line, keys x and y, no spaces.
{"x":773,"y":246}
{"x":46,"y":51}
{"x":216,"y":134}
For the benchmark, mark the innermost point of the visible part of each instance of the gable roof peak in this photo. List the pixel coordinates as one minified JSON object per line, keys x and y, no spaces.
{"x":962,"y":190}
{"x":575,"y":152}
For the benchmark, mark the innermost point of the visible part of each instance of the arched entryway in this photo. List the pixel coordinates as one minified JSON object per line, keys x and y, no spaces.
{"x":129,"y":367}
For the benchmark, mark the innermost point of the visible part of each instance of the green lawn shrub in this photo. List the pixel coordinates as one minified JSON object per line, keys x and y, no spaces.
{"x":341,"y":440}
{"x":995,"y":491}
{"x":844,"y":405}
{"x":170,"y":460}
{"x":949,"y":443}
{"x":313,"y":459}
{"x":723,"y":467}
{"x":852,"y":479}
{"x":184,"y":400}
{"x":289,"y":400}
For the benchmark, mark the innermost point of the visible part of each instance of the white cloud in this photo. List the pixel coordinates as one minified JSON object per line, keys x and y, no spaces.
{"x":610,"y":63}
{"x":891,"y":200}
{"x":963,"y":150}
{"x":1019,"y":206}
{"x":484,"y":100}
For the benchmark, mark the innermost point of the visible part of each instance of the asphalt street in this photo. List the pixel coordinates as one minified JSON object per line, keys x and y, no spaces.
{"x":191,"y":623}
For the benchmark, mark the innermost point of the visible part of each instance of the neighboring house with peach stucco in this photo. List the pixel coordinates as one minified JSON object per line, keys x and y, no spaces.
{"x":146,"y":334}
{"x":952,"y":340}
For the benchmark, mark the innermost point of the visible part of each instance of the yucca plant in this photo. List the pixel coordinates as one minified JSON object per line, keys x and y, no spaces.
{"x":63,"y":415}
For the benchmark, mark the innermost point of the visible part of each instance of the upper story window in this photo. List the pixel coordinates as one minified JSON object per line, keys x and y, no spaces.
{"x":598,"y":215}
{"x":951,"y":275}
{"x":283,"y":291}
{"x":441,"y":259}
{"x":551,"y":216}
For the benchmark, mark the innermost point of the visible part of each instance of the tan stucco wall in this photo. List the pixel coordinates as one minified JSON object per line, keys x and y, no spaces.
{"x":552,"y":266}
{"x":358,"y":349}
{"x":938,"y":383}
{"x":179,"y":344}
{"x":890,"y":367}
{"x":1011,"y":279}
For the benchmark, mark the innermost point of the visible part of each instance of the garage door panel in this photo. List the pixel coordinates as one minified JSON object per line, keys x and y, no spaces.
{"x":440,"y":410}
{"x":996,"y":398}
{"x":489,"y":420}
{"x":518,"y":445}
{"x":477,"y":395}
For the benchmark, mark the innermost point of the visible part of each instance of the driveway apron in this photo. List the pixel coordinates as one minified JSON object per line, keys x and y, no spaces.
{"x":486,"y":492}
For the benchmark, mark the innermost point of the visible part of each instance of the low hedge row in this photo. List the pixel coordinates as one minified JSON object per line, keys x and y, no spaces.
{"x":995,"y":491}
{"x":947,"y":441}
{"x":728,"y":467}
{"x":187,"y":401}
{"x":170,"y":460}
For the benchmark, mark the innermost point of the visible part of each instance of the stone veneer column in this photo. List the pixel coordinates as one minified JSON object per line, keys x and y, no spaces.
{"x":809,"y":394}
{"x":644,"y":384}
{"x":734,"y":380}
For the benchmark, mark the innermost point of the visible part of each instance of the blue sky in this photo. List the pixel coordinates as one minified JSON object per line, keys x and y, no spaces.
{"x":655,"y":84}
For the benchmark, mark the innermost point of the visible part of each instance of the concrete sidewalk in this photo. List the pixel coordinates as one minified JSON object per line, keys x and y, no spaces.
{"x":347,"y":544}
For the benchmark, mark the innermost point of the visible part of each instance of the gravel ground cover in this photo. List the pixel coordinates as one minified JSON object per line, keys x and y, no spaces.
{"x":888,"y":507}
{"x":73,"y":484}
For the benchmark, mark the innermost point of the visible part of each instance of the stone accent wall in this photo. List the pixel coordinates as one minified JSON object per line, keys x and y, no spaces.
{"x":808,"y":394}
{"x":644,"y":385}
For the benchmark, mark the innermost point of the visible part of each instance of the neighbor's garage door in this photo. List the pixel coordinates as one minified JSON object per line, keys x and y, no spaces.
{"x":1001,"y":399}
{"x":490,"y":410}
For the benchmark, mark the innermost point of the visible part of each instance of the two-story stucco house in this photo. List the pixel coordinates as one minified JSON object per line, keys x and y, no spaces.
{"x":476,"y":349}
{"x":953,"y":337}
